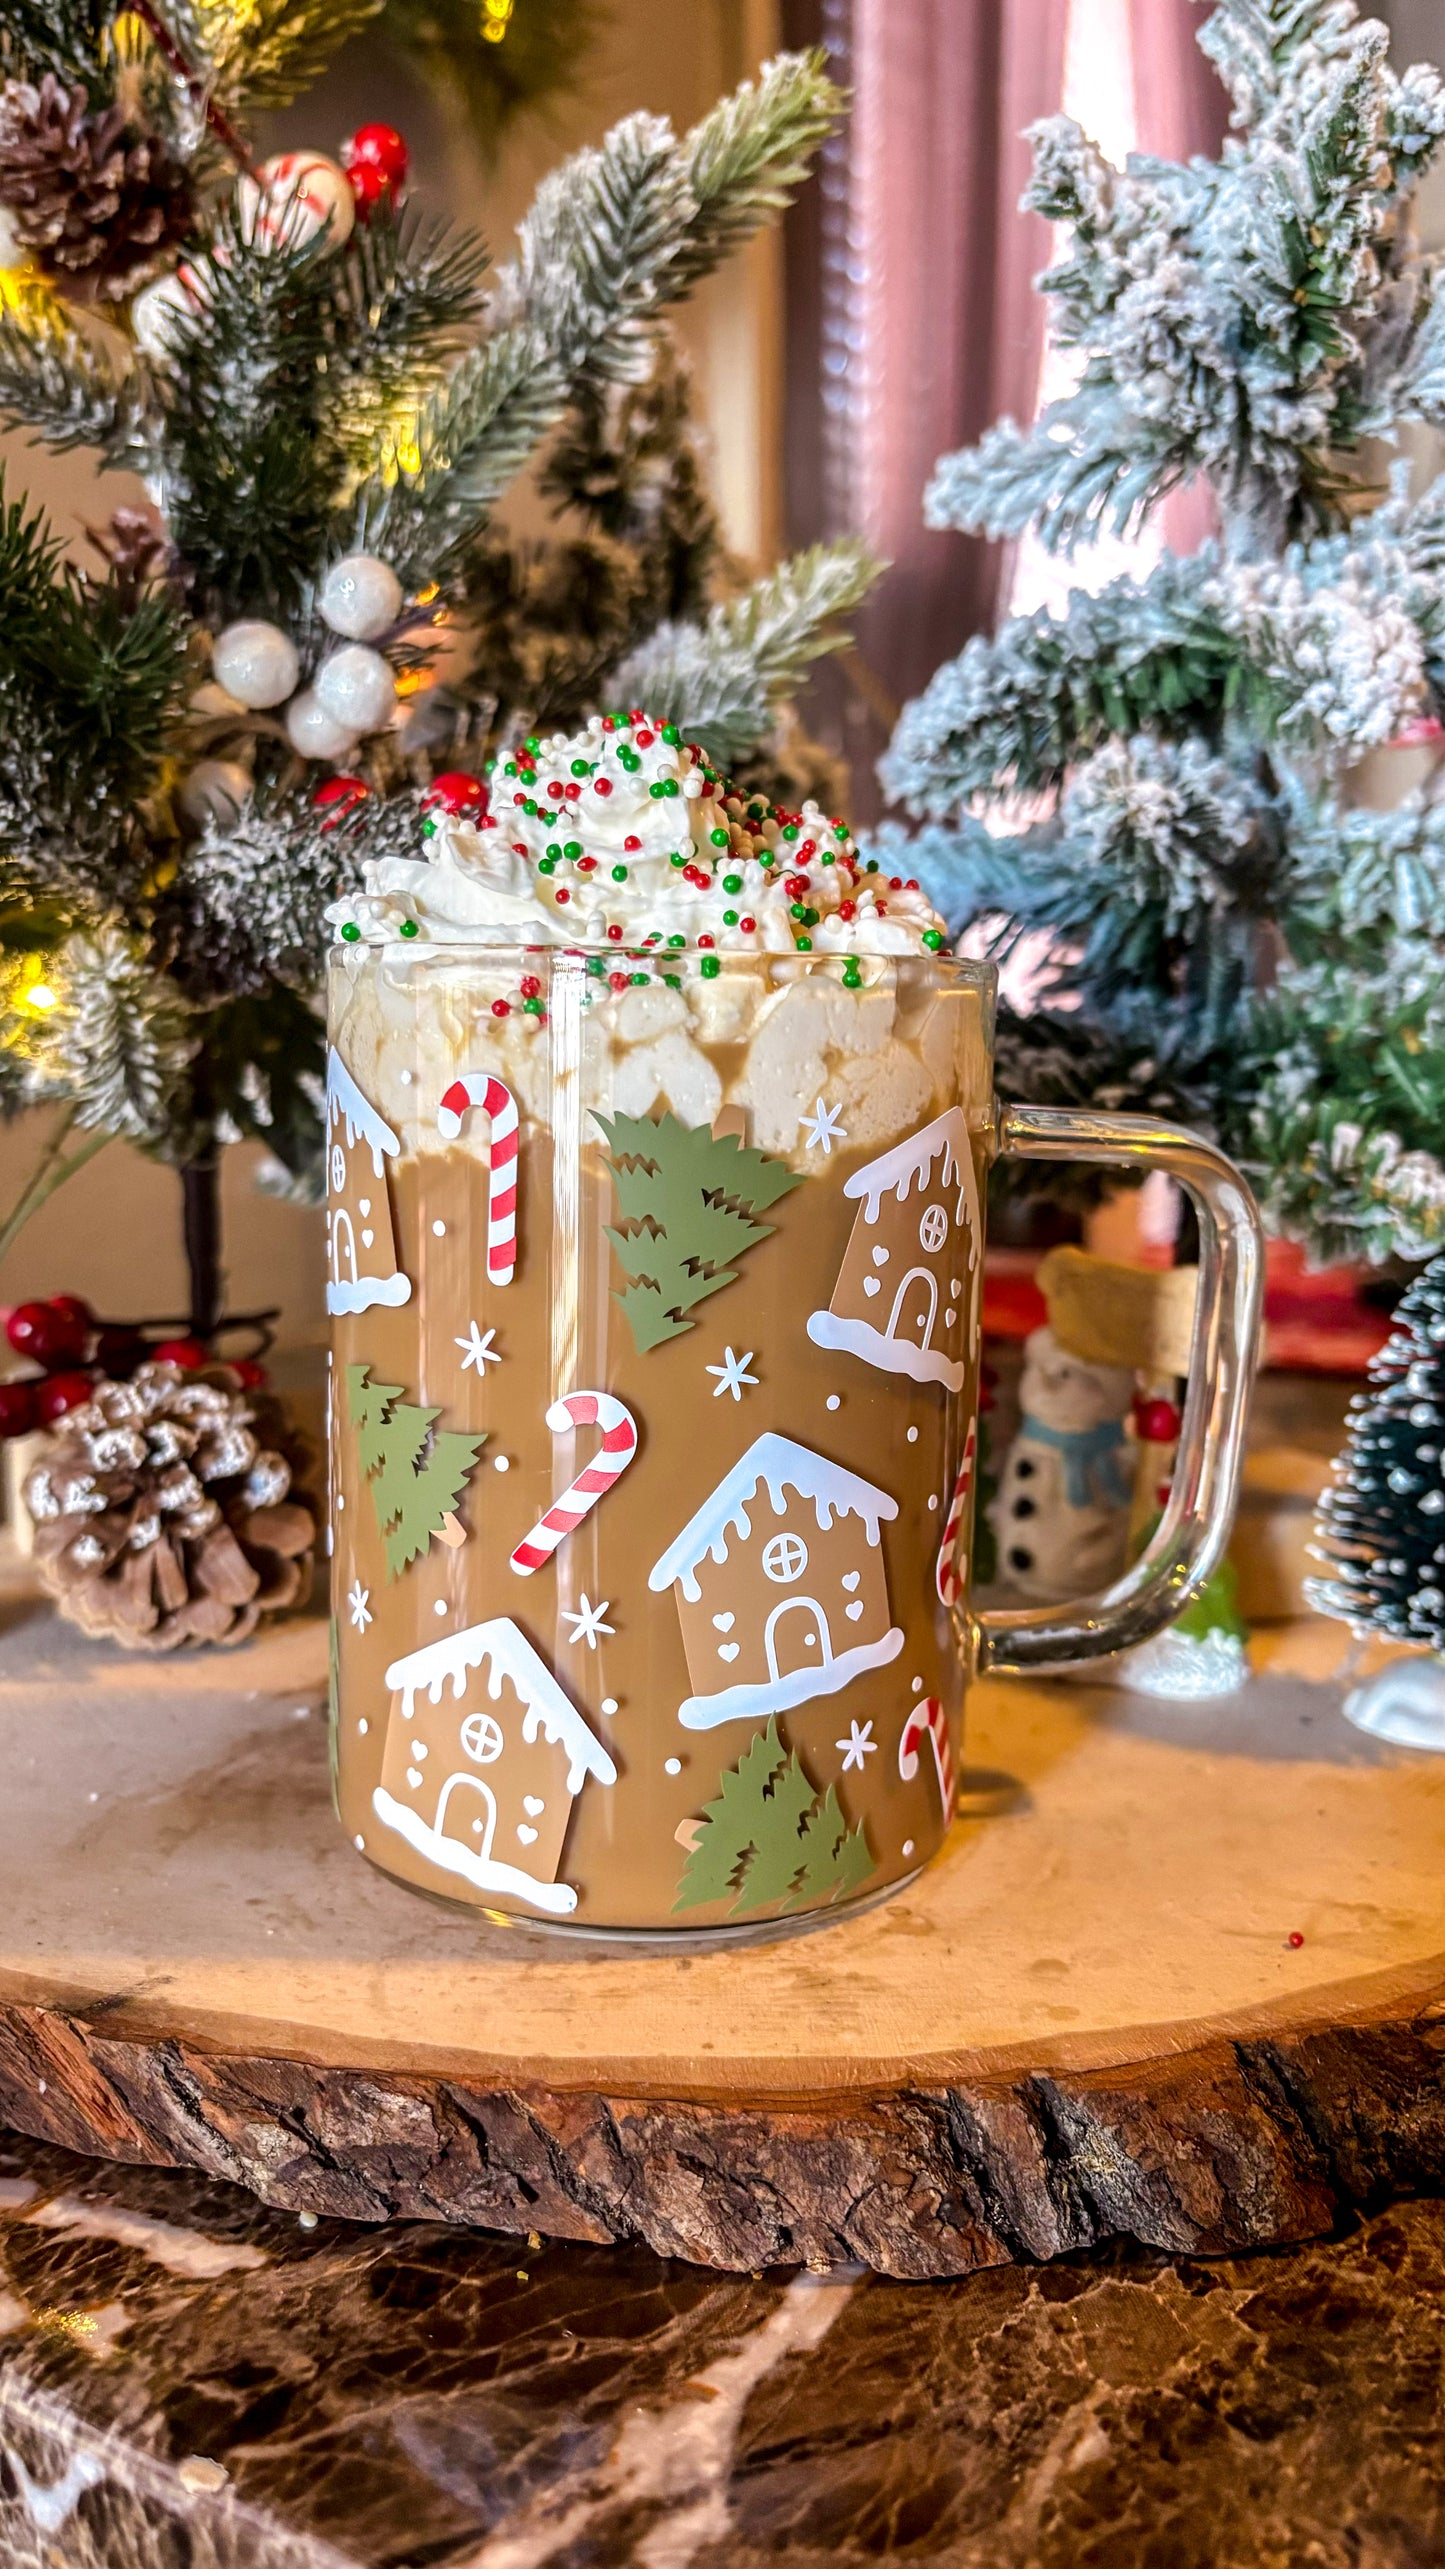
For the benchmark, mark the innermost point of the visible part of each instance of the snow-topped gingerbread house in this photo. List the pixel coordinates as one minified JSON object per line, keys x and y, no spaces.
{"x":782,"y":1592}
{"x":907,"y":1290}
{"x":361,"y":1263}
{"x":480,"y":1777}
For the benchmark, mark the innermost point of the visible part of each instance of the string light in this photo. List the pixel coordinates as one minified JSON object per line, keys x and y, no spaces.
{"x":496,"y":19}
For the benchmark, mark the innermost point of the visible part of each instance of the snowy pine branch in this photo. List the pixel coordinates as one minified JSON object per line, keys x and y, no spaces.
{"x":265,"y":54}
{"x":120,"y":1039}
{"x":722,"y":680}
{"x":58,"y":381}
{"x":745,"y":161}
{"x":63,"y":36}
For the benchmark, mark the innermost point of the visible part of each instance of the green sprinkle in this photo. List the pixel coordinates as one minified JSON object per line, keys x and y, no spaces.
{"x":573,"y":847}
{"x":409,"y":928}
{"x":553,"y":850}
{"x":629,"y":759}
{"x":810,"y":918}
{"x":638,"y":980}
{"x":546,"y":865}
{"x":671,"y":734}
{"x":677,"y":858}
{"x":710,"y":967}
{"x":730,"y":918}
{"x":532,"y":1008}
{"x":655,"y":789}
{"x":510,"y":768}
{"x":799,"y":910}
{"x":840,"y":829}
{"x":852,"y":977}
{"x":677,"y":941}
{"x":871,"y":866}
{"x":790,"y":830}
{"x":732,"y":883}
{"x":428,"y":829}
{"x":596,"y":966}
{"x":350,"y":931}
{"x":490,"y":767}
{"x":533,"y":743}
{"x":672,"y":981}
{"x":933,"y":939}
{"x":804,"y":945}
{"x":719,"y":838}
{"x":581,"y":766}
{"x":619,"y":874}
{"x":669,"y":785}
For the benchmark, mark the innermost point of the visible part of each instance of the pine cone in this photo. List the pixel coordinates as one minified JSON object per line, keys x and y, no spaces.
{"x":94,"y":199}
{"x":160,"y":1516}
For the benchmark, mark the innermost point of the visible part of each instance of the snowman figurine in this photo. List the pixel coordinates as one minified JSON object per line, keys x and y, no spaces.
{"x":1062,"y":1511}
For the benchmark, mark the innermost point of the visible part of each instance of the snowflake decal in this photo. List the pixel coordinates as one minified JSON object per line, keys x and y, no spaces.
{"x":732,"y":1373}
{"x":359,"y":1605}
{"x":587,"y":1624}
{"x":823,"y":1128}
{"x":860,"y":1743}
{"x":477,"y":1348}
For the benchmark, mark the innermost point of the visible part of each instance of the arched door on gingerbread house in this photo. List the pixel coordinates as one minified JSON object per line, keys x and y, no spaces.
{"x":915,"y":1307}
{"x":473,"y":1822}
{"x":343,"y":1247}
{"x":805,"y":1643}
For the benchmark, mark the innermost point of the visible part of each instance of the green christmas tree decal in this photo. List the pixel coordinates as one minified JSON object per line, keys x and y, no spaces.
{"x":687,"y":1198}
{"x":767,"y":1842}
{"x":417,"y":1474}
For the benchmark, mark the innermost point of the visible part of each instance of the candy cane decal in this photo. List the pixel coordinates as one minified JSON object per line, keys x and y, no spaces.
{"x":496,"y":1100}
{"x":945,"y":1576}
{"x":928,"y":1716}
{"x":619,"y":1444}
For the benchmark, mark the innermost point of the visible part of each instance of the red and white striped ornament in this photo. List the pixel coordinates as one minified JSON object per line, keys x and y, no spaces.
{"x":619,"y":1444}
{"x":928,"y":1717}
{"x":945,"y":1576}
{"x":479,"y":1088}
{"x":300,"y":194}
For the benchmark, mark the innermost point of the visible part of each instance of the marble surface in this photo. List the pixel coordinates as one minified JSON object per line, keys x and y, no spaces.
{"x":188,"y":2381}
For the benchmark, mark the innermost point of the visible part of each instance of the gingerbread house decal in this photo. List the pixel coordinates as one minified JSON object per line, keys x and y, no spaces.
{"x":484,"y":1757}
{"x":907,"y":1291}
{"x":361,"y":1264}
{"x":782,"y":1592}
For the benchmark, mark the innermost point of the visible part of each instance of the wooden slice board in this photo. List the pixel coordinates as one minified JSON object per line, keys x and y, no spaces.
{"x":1086,"y":2018}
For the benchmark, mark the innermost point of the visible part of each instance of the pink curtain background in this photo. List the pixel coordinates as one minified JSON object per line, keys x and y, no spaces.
{"x":911,"y":318}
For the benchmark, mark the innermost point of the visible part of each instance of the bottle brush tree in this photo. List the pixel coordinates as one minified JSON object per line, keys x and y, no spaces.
{"x":326,"y":396}
{"x":1158,"y":774}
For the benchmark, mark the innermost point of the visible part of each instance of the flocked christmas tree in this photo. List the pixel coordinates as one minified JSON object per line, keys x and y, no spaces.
{"x":1235,"y":945}
{"x":326,"y":397}
{"x":1381,"y":1527}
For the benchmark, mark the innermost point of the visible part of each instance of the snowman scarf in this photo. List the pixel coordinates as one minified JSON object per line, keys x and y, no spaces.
{"x":1094,"y":1473}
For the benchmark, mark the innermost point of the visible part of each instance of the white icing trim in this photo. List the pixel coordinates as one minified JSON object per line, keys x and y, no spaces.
{"x":557,"y":1898}
{"x":510,"y":1654}
{"x":890,"y":1355}
{"x":344,"y":1097}
{"x":360,"y":1292}
{"x":783,"y":1465}
{"x":896,"y":1172}
{"x":779,"y":1695}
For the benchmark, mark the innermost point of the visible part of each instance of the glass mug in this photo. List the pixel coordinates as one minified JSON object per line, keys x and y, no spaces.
{"x":654,"y":1406}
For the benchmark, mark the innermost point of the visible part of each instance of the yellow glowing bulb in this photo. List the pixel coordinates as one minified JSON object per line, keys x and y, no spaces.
{"x":40,"y":996}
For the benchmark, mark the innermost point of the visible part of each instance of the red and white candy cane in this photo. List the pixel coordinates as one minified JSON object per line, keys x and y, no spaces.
{"x":619,"y":1444}
{"x":495,"y":1099}
{"x":945,"y":1576}
{"x":928,"y":1716}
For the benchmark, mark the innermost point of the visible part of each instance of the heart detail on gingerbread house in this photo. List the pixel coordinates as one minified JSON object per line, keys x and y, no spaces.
{"x":724,"y":1623}
{"x":728,"y":1649}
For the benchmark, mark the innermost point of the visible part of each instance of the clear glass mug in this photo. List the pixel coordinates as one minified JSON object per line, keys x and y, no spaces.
{"x":655,"y":1284}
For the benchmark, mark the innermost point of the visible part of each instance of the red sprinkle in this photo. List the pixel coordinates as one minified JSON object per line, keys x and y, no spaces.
{"x":563,"y":895}
{"x":796,"y":885}
{"x":617,"y":981}
{"x":530,"y":986}
{"x":707,"y":941}
{"x":571,"y":792}
{"x":747,"y":926}
{"x":847,"y":909}
{"x":555,"y":789}
{"x":630,"y":846}
{"x":601,"y":784}
{"x":586,"y":864}
{"x":607,"y":723}
{"x":881,"y":908}
{"x":644,"y":740}
{"x":520,"y":847}
{"x":1295,"y":1941}
{"x":616,"y":935}
{"x":519,"y":800}
{"x":895,"y":882}
{"x":912,"y":883}
{"x":501,"y":1007}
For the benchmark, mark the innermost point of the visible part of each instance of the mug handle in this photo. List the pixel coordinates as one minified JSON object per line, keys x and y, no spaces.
{"x":1189,"y":1542}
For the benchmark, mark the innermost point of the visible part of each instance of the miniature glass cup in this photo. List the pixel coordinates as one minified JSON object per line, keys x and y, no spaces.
{"x":655,"y":1285}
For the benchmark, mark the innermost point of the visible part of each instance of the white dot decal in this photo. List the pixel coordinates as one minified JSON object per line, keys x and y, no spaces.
{"x":439,"y":1230}
{"x":833,"y":1401}
{"x":441,"y":1604}
{"x":360,"y":1842}
{"x":609,"y":1704}
{"x":913,"y":1436}
{"x":918,"y":1685}
{"x":363,"y":1725}
{"x":908,"y":1846}
{"x":502,"y":1463}
{"x":672,"y":1766}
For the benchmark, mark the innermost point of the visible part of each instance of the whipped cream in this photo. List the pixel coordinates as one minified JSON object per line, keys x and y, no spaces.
{"x":624,"y":837}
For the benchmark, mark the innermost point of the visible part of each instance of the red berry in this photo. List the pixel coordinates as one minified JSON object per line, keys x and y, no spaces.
{"x":340,"y":796}
{"x":378,"y":147}
{"x":60,"y":1392}
{"x":118,"y":1351}
{"x":46,"y":1333}
{"x":455,"y":791}
{"x":251,"y":1375}
{"x":76,"y":1310}
{"x":17,"y":1408}
{"x":369,"y":189}
{"x":1157,"y":1421}
{"x":188,"y":1353}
